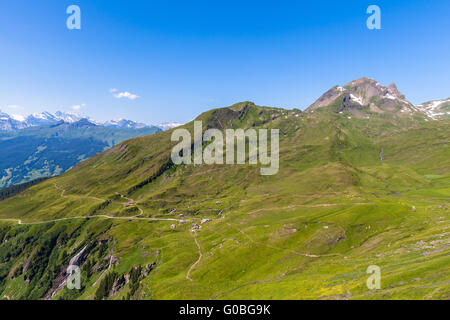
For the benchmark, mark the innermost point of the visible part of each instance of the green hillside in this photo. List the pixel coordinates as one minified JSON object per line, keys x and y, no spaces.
{"x":354,"y":189}
{"x":50,"y":150}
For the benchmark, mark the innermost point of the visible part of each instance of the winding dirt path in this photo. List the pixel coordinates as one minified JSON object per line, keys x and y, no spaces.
{"x":63,"y":191}
{"x":259,"y":282}
{"x":12,"y":220}
{"x":135,"y":203}
{"x":136,"y":217}
{"x":311,"y":206}
{"x":284,"y":274}
{"x":199,"y":257}
{"x":284,"y":249}
{"x":92,"y":217}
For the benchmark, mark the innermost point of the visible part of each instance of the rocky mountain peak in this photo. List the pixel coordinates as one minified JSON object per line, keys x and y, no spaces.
{"x":363,"y":93}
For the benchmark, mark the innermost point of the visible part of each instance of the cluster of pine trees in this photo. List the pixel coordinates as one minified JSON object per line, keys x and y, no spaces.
{"x":13,"y":190}
{"x":106,"y":285}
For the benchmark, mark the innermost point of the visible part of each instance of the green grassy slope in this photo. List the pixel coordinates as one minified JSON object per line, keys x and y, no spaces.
{"x":350,"y":193}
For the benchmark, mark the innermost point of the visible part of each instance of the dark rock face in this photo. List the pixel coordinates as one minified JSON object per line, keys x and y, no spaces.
{"x":368,"y":88}
{"x":349,"y":104}
{"x":148,"y":268}
{"x":118,"y":284}
{"x":327,"y":98}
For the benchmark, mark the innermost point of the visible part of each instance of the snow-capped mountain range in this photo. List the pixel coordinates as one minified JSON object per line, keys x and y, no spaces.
{"x":12,"y":122}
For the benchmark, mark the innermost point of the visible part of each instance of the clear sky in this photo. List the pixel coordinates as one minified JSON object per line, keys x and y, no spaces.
{"x":184,"y":57}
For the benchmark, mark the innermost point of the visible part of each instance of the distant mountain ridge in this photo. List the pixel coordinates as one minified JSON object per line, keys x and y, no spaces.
{"x":367,"y":94}
{"x":50,"y":149}
{"x":12,"y":122}
{"x":17,"y":122}
{"x":363,"y":180}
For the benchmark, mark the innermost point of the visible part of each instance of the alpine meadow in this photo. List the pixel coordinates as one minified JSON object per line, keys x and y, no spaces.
{"x":363,"y":180}
{"x":240,"y":159}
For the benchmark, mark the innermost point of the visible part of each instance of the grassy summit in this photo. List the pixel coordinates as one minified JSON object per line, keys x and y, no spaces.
{"x":356,"y":187}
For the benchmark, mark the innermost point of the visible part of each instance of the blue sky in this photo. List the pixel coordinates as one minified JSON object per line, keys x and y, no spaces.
{"x":184,"y":57}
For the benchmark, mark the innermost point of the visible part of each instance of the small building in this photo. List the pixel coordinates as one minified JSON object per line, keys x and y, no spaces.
{"x":130,"y":203}
{"x":195,"y":226}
